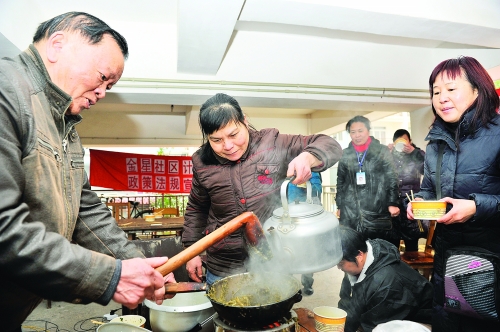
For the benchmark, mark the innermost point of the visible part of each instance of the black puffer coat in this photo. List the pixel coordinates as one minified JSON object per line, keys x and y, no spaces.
{"x":472,"y":172}
{"x":390,"y":290}
{"x":410,"y":168}
{"x":361,"y":203}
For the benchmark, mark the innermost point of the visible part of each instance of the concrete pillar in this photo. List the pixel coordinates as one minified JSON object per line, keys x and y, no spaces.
{"x":420,"y":121}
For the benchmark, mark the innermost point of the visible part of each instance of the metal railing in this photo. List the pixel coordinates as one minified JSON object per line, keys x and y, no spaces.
{"x":145,"y":201}
{"x":328,"y":198}
{"x":157,"y":201}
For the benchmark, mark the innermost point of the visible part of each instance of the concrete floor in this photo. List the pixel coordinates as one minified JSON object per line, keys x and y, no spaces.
{"x":63,"y":317}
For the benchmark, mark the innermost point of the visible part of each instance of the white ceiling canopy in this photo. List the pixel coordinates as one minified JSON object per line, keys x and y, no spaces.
{"x":281,"y":59}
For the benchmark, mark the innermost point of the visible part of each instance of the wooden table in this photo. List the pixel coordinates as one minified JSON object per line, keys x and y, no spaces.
{"x":305,"y":319}
{"x":140,"y":225}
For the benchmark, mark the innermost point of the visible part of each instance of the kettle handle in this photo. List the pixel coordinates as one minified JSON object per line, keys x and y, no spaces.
{"x":284,"y":201}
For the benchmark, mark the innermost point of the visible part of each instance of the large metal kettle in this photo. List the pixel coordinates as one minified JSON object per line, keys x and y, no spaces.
{"x":303,"y":236}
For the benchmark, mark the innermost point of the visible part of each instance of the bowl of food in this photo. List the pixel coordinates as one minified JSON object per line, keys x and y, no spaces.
{"x":150,"y":217}
{"x":428,"y":210}
{"x":399,"y":144}
{"x":135,"y":320}
{"x":120,"y":327}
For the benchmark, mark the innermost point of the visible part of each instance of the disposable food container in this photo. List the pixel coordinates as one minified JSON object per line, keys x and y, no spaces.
{"x":120,"y":327}
{"x":399,"y":144}
{"x":149,"y":217}
{"x":328,"y":319}
{"x":135,"y":320}
{"x":428,"y":210}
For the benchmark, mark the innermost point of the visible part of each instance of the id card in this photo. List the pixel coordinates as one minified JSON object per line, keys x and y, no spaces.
{"x":360,"y":178}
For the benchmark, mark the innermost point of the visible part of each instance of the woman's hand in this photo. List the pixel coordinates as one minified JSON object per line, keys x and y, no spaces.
{"x":408,"y":148}
{"x":300,"y":166}
{"x":169,"y":278}
{"x":409,"y":209}
{"x":338,"y":213}
{"x":194,"y":269}
{"x":462,"y":210}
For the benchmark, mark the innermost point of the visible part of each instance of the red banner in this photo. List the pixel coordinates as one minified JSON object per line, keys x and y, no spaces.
{"x":140,"y":172}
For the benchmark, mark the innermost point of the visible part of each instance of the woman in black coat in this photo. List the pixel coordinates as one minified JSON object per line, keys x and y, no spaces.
{"x":467,"y":127}
{"x":367,"y":185}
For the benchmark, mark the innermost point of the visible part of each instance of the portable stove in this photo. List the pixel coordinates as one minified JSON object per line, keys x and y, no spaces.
{"x":288,"y":323}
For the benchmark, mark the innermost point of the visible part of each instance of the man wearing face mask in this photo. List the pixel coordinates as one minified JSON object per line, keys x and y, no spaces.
{"x":57,"y":239}
{"x":409,"y":163}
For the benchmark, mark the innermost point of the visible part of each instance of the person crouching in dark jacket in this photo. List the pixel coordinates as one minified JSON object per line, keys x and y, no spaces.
{"x":378,"y":287}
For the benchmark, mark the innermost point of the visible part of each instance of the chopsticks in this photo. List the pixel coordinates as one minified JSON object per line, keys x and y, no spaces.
{"x":97,"y":322}
{"x":420,"y":227}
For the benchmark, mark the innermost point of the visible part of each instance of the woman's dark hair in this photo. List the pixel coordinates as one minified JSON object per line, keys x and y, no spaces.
{"x":400,"y":132}
{"x":352,"y":243}
{"x":487,"y":101}
{"x":215,"y":114}
{"x":358,"y":118}
{"x":89,"y":26}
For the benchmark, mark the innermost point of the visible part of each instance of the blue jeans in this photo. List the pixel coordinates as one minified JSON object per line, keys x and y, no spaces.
{"x":211,"y":278}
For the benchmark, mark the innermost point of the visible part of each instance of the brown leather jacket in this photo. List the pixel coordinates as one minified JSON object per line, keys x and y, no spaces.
{"x":223,"y":191}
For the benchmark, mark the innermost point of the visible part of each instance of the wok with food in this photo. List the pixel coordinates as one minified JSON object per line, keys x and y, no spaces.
{"x":254,"y":299}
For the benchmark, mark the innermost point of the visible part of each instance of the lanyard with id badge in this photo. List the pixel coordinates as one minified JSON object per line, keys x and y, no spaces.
{"x":361,"y":176}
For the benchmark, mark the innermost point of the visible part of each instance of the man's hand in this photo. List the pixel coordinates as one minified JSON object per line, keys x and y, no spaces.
{"x":194,"y":269}
{"x":139,"y":280}
{"x":394,"y":211}
{"x":300,"y":166}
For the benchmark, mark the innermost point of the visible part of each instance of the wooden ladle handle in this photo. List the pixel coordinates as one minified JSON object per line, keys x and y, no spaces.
{"x":185,"y":287}
{"x":253,"y":232}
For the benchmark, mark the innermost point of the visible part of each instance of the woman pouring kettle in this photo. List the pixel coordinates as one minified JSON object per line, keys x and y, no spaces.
{"x":238,"y":169}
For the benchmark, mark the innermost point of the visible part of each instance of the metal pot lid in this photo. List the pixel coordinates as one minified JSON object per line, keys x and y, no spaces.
{"x":300,"y":210}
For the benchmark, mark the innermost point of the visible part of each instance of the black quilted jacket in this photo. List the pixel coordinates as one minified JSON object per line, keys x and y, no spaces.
{"x":370,"y":201}
{"x":470,"y":172}
{"x":388,"y":290}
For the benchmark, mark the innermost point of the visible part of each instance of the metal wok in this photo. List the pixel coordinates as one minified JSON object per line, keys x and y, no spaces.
{"x":254,"y":299}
